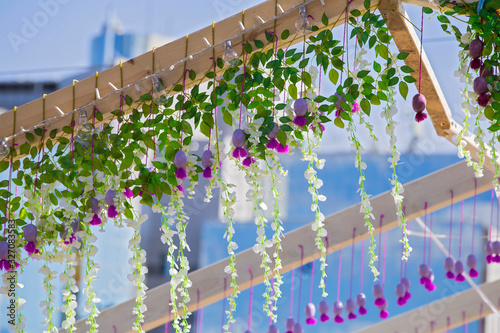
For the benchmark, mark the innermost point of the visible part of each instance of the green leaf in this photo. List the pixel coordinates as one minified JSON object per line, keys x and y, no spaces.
{"x":362,"y":74}
{"x":4,"y":165}
{"x":365,"y":106}
{"x":306,"y":78}
{"x":281,"y":136}
{"x":338,"y":122}
{"x":382,"y":51}
{"x":403,"y":89}
{"x":30,"y":137}
{"x":292,"y":90}
{"x":128,"y":100}
{"x":25,"y":149}
{"x":489,"y":113}
{"x":258,"y":44}
{"x":374,"y":100}
{"x":355,"y":13}
{"x":192,"y":75}
{"x":427,"y":10}
{"x":377,"y":67}
{"x":324,"y":19}
{"x":403,"y":55}
{"x":409,"y":79}
{"x":285,"y":34}
{"x":186,"y":127}
{"x":333,"y":75}
{"x":228,"y":119}
{"x":407,"y":69}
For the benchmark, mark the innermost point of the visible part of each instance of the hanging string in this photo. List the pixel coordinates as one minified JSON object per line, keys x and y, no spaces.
{"x":224,"y":306}
{"x":167,"y":324}
{"x":461,"y":224}
{"x":498,"y":216}
{"x":448,"y":324}
{"x":474,"y":216}
{"x":243,"y":84}
{"x":406,"y":261}
{"x":251,"y":299}
{"x":466,"y":327}
{"x":121,"y":98}
{"x":491,"y":220}
{"x":421,"y":50}
{"x":425,"y":228}
{"x":312,"y":284}
{"x":432,"y":323}
{"x":7,"y":216}
{"x":430,"y":242}
{"x":352,"y":261}
{"x":362,"y":266}
{"x":198,"y":310}
{"x":343,"y":40}
{"x":291,"y":293}
{"x":300,"y":280}
{"x":451,"y":221}
{"x":380,"y":240}
{"x":383,"y":269}
{"x":339,"y":275}
{"x":401,"y":264}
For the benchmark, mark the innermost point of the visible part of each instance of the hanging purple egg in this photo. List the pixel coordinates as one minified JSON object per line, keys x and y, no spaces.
{"x":4,"y":251}
{"x":30,"y":231}
{"x":94,"y":205}
{"x":248,"y":331}
{"x":459,"y":269}
{"x":488,"y":248}
{"x":272,"y":134}
{"x":480,"y":85}
{"x":273,"y":329}
{"x":297,"y":328}
{"x":419,"y":103}
{"x":476,"y":48}
{"x":337,"y":311}
{"x":400,"y":293}
{"x":350,"y":308}
{"x":180,"y":159}
{"x":430,"y":286}
{"x":383,"y":312}
{"x":239,"y":138}
{"x":361,"y":302}
{"x":472,"y":264}
{"x":310,"y":311}
{"x":300,"y":107}
{"x":407,"y":285}
{"x":423,"y":271}
{"x":110,"y":195}
{"x":449,"y":265}
{"x":323,"y":308}
{"x":290,"y":323}
{"x":378,"y":292}
{"x":340,"y":100}
{"x":206,"y":159}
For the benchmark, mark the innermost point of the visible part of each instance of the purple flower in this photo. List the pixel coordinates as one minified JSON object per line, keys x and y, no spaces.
{"x":96,"y":220}
{"x":112,"y":213}
{"x":355,"y":107}
{"x":181,"y":173}
{"x":272,"y":144}
{"x":128,"y":193}
{"x":30,"y":247}
{"x":207,"y":173}
{"x":300,"y":121}
{"x":239,"y":152}
{"x":248,"y":161}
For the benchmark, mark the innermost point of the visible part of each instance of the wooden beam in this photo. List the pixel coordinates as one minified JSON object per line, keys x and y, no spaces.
{"x":172,"y":54}
{"x":433,"y":188}
{"x":453,"y":306}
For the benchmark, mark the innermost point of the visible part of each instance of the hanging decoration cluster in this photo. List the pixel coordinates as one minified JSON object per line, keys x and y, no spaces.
{"x":76,"y":181}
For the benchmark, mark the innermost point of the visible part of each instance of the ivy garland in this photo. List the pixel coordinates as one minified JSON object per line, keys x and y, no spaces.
{"x":88,"y":181}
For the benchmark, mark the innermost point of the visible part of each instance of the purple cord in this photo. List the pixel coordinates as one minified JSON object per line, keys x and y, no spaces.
{"x":421,"y":45}
{"x":498,"y":216}
{"x":291,"y":293}
{"x":425,"y":229}
{"x":201,"y":320}
{"x":362,"y":259}
{"x":451,"y":220}
{"x":380,"y":240}
{"x":491,"y":220}
{"x":243,"y":84}
{"x":224,"y":306}
{"x":447,"y":324}
{"x":474,"y":216}
{"x":312,"y":283}
{"x":430,"y":243}
{"x":340,"y":274}
{"x":461,"y":223}
{"x":352,"y":261}
{"x":385,"y":248}
{"x":300,"y":280}
{"x":401,"y":268}
{"x":251,"y":299}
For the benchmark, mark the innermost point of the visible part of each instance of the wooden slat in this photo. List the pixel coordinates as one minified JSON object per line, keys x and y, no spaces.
{"x":433,"y":189}
{"x":30,"y":114}
{"x":419,"y":320}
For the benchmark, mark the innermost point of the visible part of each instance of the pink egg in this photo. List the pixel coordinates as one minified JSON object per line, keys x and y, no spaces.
{"x":239,"y":138}
{"x":419,"y":103}
{"x":4,"y":250}
{"x":30,"y":231}
{"x":180,"y":159}
{"x":300,"y":107}
{"x":480,"y":85}
{"x":476,"y":48}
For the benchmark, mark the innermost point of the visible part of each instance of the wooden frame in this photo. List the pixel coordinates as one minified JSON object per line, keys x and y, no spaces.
{"x":433,"y":188}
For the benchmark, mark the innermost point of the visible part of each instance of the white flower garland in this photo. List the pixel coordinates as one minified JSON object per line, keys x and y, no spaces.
{"x":70,"y":288}
{"x":397,"y":191}
{"x":91,"y":268}
{"x":48,"y":304}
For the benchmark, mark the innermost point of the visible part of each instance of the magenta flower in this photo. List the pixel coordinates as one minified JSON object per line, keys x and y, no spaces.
{"x":239,"y":138}
{"x":96,"y":220}
{"x":248,"y":161}
{"x":128,"y":193}
{"x":112,"y":213}
{"x":30,"y":247}
{"x":272,"y":144}
{"x":207,"y":173}
{"x":355,"y":107}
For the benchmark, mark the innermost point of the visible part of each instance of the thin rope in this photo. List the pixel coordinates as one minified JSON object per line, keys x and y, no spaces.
{"x":401,"y":266}
{"x":251,"y":299}
{"x":425,"y":229}
{"x":451,"y":221}
{"x":352,"y":261}
{"x":380,"y":241}
{"x":291,"y":293}
{"x":340,"y":275}
{"x":461,"y":224}
{"x":491,"y":220}
{"x":498,"y":215}
{"x":243,"y":85}
{"x":312,"y":283}
{"x":362,"y":266}
{"x":474,"y":216}
{"x":448,"y":324}
{"x":300,"y":280}
{"x":421,"y":49}
{"x":385,"y":248}
{"x":430,"y":243}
